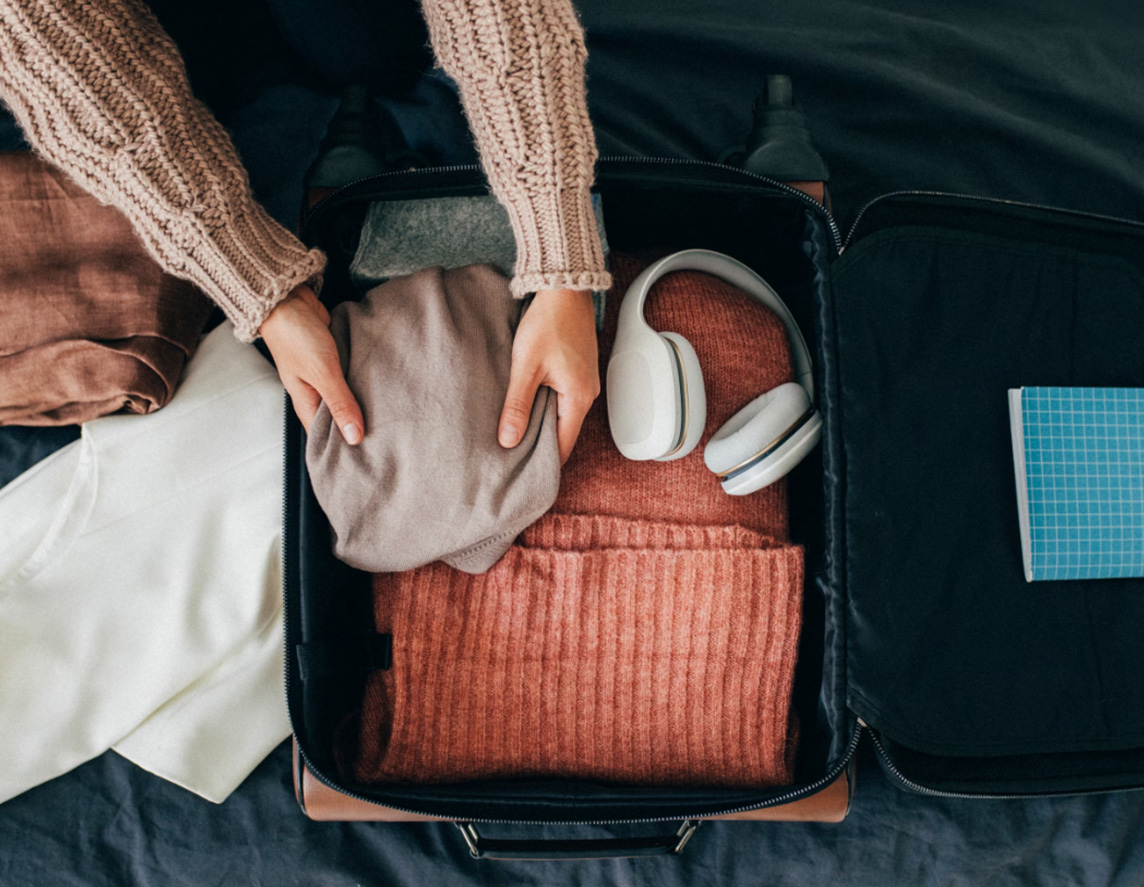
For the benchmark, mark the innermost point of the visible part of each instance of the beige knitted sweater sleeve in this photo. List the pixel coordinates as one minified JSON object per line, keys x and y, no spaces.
{"x":519,"y":66}
{"x":99,"y":90}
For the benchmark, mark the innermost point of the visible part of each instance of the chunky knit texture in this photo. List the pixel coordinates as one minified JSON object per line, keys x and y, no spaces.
{"x":100,"y":91}
{"x":519,"y":65}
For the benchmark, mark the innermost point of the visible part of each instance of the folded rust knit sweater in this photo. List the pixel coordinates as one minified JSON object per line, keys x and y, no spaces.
{"x":644,"y":631}
{"x":599,"y":647}
{"x":99,"y":90}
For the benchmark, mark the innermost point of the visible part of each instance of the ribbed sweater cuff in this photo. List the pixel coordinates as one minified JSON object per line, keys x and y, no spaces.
{"x":590,"y":532}
{"x":519,"y":66}
{"x":248,"y":266}
{"x":558,"y":243}
{"x":100,"y":91}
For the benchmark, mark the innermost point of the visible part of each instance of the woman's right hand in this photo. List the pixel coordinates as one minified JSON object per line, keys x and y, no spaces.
{"x":297,"y":332}
{"x":554,"y":345}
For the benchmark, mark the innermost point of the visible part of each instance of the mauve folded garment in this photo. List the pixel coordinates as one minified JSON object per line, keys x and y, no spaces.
{"x":428,"y":358}
{"x":89,"y":324}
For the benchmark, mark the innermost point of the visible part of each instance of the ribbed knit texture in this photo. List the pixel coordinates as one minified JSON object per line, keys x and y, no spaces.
{"x":519,"y":65}
{"x":99,"y":90}
{"x":645,"y":630}
{"x":599,"y":648}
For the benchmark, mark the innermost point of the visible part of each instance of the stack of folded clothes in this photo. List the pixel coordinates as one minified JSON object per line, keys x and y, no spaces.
{"x":645,"y":630}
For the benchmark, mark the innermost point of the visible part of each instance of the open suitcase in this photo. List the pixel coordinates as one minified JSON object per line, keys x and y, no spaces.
{"x":919,"y":628}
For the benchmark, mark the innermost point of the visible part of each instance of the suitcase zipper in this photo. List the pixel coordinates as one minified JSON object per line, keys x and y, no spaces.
{"x":819,"y":209}
{"x":835,"y":231}
{"x":341,"y":189}
{"x":904,"y":782}
{"x":787,"y":797}
{"x":996,"y":200}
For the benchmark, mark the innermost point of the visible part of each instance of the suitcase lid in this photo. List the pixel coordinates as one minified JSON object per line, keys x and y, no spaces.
{"x":973,"y":680}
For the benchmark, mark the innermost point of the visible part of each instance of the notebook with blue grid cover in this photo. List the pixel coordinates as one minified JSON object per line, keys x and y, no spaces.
{"x":1079,"y":460}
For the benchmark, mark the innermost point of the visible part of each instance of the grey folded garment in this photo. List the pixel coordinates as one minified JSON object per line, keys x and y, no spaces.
{"x":428,"y":355}
{"x":402,"y":236}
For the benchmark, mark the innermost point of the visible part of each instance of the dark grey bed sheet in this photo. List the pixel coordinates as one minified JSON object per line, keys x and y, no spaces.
{"x":1042,"y":102}
{"x":1034,"y":100}
{"x":109,"y":824}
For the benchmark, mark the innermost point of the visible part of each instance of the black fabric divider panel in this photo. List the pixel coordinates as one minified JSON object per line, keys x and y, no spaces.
{"x":950,"y":651}
{"x":1025,"y":223}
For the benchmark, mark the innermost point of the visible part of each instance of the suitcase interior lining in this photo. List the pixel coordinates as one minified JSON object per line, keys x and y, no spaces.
{"x":972,"y":676}
{"x":788,"y":246}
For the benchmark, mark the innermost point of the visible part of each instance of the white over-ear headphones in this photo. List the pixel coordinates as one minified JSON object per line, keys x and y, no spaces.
{"x":657,"y":407}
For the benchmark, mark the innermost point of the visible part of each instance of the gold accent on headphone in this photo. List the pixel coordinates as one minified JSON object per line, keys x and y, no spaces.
{"x":771,"y":447}
{"x":683,"y":397}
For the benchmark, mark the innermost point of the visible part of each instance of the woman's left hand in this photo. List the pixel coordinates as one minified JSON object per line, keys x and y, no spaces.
{"x":555,"y":345}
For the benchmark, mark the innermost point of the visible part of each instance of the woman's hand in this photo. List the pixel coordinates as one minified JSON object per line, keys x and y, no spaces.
{"x":297,"y":332}
{"x":555,"y":345}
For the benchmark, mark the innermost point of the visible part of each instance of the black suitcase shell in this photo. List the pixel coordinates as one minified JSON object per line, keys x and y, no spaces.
{"x":918,"y":626}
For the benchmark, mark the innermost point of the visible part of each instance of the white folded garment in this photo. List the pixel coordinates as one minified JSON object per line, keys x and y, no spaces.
{"x":140,"y":587}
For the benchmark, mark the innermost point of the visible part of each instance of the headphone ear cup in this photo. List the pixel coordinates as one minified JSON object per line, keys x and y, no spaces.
{"x":777,"y":464}
{"x":693,"y":397}
{"x":757,"y":428}
{"x":642,"y":385}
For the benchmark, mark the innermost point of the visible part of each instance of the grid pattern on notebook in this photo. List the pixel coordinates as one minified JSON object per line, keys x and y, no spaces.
{"x":1084,"y":469}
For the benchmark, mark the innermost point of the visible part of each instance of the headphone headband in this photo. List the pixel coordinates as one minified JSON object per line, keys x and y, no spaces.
{"x":735,"y":273}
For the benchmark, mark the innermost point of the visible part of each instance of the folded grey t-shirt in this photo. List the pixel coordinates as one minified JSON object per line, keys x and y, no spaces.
{"x":403,"y":236}
{"x":428,"y":356}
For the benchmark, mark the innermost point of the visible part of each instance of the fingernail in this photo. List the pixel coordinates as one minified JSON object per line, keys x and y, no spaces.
{"x":352,"y":433}
{"x":508,"y":436}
